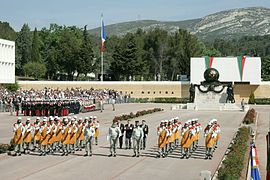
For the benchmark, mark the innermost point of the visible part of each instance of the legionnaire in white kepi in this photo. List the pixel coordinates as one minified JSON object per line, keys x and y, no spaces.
{"x":137,"y":135}
{"x":114,"y":133}
{"x":88,"y":135}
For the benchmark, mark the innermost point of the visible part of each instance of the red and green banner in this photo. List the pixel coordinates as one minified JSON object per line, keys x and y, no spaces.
{"x":208,"y":62}
{"x":241,"y":65}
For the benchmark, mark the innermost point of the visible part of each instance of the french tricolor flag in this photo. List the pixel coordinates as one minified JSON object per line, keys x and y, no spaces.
{"x":103,"y":35}
{"x":254,"y":160}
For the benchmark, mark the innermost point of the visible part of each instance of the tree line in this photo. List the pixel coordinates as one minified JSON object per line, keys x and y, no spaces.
{"x":71,"y":53}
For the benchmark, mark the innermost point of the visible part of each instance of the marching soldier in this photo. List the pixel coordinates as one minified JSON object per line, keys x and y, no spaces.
{"x":57,"y":134}
{"x":170,"y":137}
{"x":137,"y":136}
{"x":51,"y":135}
{"x":114,"y":133}
{"x":210,"y":137}
{"x":37,"y":133}
{"x":198,"y":129}
{"x":129,"y":129}
{"x":73,"y":137}
{"x":145,"y":129}
{"x":216,"y":129}
{"x":27,"y":139}
{"x":88,"y":135}
{"x":178,"y":126}
{"x":162,"y":139}
{"x":44,"y":131}
{"x":18,"y":130}
{"x":80,"y":135}
{"x":96,"y":126}
{"x":66,"y":130}
{"x":186,"y":140}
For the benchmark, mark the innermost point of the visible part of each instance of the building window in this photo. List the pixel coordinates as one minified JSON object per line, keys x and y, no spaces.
{"x":166,"y":92}
{"x":131,"y":92}
{"x":159,"y":92}
{"x":148,"y":92}
{"x":172,"y":92}
{"x":142,"y":92}
{"x":154,"y":92}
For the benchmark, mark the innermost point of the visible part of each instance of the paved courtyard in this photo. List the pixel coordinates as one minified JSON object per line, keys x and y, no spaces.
{"x":124,"y":166}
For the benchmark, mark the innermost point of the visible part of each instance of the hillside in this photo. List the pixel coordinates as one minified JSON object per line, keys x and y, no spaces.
{"x":230,"y":24}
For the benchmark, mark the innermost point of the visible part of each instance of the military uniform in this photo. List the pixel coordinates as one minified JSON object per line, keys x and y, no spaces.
{"x":58,"y":134}
{"x":88,"y":135}
{"x":129,"y":129}
{"x":44,"y":136}
{"x":18,"y":130}
{"x":145,"y":134}
{"x":96,"y":126}
{"x":162,"y":139}
{"x":36,"y":133}
{"x":66,"y":130}
{"x":137,"y":136}
{"x":73,"y":134}
{"x":27,"y":138}
{"x":80,"y":135}
{"x":114,"y":133}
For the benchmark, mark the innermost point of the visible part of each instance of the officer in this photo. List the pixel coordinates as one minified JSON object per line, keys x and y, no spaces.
{"x":129,"y":129}
{"x":122,"y":129}
{"x":137,"y":136}
{"x":27,"y":138}
{"x":88,"y":136}
{"x":114,"y":133}
{"x":18,"y":130}
{"x":145,"y":129}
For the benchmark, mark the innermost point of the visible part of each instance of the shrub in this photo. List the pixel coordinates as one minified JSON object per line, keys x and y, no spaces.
{"x":251,"y":98}
{"x":137,"y":114}
{"x":250,"y":117}
{"x":4,"y":148}
{"x":262,"y":100}
{"x":34,"y":69}
{"x":12,"y":87}
{"x":234,"y":163}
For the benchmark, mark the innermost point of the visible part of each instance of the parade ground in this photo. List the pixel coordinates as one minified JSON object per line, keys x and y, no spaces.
{"x":124,"y":166}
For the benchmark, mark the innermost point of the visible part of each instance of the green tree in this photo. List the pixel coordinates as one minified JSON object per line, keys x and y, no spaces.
{"x":23,"y":48}
{"x":86,"y":62}
{"x":34,"y":69}
{"x":35,"y":51}
{"x":7,"y":32}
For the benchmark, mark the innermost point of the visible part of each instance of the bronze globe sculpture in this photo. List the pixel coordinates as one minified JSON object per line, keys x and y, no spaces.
{"x":211,"y":75}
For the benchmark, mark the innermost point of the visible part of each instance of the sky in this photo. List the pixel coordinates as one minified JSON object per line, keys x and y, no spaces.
{"x":41,"y":13}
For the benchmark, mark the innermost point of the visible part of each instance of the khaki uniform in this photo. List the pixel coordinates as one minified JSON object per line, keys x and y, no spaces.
{"x":27,"y":138}
{"x":18,"y":129}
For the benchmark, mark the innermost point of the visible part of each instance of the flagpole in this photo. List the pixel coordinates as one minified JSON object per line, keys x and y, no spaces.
{"x":101,"y":66}
{"x":101,"y":77}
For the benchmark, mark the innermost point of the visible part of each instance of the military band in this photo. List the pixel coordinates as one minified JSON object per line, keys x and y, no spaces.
{"x":51,"y":135}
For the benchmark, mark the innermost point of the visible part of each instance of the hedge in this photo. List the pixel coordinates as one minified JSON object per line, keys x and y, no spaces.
{"x":159,"y":100}
{"x":250,"y":117}
{"x":234,"y":163}
{"x":262,"y":101}
{"x":5,"y":148}
{"x":137,"y":114}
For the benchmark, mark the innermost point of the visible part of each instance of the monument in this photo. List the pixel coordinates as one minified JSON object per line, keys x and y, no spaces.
{"x":211,"y":94}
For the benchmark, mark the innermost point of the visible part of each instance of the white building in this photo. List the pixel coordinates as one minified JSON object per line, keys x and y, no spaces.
{"x":7,"y":61}
{"x":231,"y":69}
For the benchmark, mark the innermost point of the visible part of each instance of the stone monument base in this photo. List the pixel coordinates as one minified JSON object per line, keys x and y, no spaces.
{"x":215,"y":107}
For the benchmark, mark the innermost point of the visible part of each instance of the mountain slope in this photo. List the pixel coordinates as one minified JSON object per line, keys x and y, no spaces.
{"x":233,"y":23}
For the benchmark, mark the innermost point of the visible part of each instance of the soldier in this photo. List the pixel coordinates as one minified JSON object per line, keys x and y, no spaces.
{"x":18,"y":130}
{"x":162,"y":138}
{"x":216,"y":129}
{"x":51,"y":135}
{"x":129,"y":129}
{"x":186,"y":140}
{"x":80,"y":135}
{"x":66,"y":130}
{"x":114,"y":133}
{"x":198,"y":129}
{"x":145,"y":129}
{"x":137,"y":136}
{"x":37,"y":133}
{"x":96,"y":126}
{"x":44,"y":131}
{"x":58,"y":134}
{"x":73,"y":137}
{"x":210,"y":136}
{"x":122,"y":129}
{"x":27,"y":138}
{"x":88,"y":135}
{"x":178,"y":126}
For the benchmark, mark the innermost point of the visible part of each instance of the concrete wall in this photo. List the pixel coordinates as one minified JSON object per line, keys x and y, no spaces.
{"x":148,"y":89}
{"x":7,"y":61}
